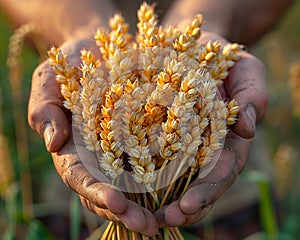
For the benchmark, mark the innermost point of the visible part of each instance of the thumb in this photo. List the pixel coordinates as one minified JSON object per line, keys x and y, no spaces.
{"x":45,"y":111}
{"x":51,"y":123}
{"x":247,"y":84}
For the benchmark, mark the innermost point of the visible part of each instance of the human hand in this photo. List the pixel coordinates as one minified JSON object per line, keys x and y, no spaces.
{"x":52,"y":121}
{"x":246,"y":84}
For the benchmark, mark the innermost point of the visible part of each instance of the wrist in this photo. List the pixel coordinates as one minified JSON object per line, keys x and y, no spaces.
{"x":217,"y":17}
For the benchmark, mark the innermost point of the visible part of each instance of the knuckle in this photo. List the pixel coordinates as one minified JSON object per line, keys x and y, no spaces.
{"x":34,"y":118}
{"x":87,"y":204}
{"x":43,"y":67}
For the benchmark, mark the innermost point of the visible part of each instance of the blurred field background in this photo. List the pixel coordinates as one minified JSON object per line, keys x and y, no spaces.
{"x":32,"y":197}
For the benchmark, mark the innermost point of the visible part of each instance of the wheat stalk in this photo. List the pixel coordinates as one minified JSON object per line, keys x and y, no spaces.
{"x":294,"y":83}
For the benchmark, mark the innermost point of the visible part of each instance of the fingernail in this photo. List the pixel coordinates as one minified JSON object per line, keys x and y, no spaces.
{"x":48,"y":133}
{"x":251,"y":113}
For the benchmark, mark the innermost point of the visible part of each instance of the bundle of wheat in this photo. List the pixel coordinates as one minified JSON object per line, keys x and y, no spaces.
{"x":150,"y":109}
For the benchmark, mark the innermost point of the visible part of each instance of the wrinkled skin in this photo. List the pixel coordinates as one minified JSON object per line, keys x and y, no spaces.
{"x":47,"y":116}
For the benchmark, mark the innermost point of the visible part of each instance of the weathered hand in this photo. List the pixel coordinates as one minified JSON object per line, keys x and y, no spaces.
{"x":48,"y":117}
{"x":246,"y":84}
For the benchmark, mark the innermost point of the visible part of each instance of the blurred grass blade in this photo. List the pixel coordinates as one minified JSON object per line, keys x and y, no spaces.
{"x":36,"y":230}
{"x":266,"y":208}
{"x":11,"y":198}
{"x":14,"y":63}
{"x":96,"y":235}
{"x":6,"y":169}
{"x":189,"y":236}
{"x":75,"y":217}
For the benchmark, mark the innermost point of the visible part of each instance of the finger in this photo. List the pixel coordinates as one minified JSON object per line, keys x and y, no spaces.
{"x":77,"y":177}
{"x":173,"y":216}
{"x":202,"y":193}
{"x":170,"y":215}
{"x":206,"y":191}
{"x":151,"y":229}
{"x":139,"y":219}
{"x":198,"y":200}
{"x":45,"y":113}
{"x":135,"y":218}
{"x":193,"y":218}
{"x":246,"y":83}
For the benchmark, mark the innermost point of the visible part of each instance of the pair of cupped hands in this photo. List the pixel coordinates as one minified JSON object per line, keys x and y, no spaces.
{"x":47,"y":116}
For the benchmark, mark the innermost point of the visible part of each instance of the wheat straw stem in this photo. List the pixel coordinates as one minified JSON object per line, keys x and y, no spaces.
{"x":124,"y":232}
{"x":112,"y":231}
{"x":294,"y":82}
{"x":119,"y":235}
{"x":107,"y":230}
{"x":177,"y":233}
{"x":166,"y":233}
{"x":188,"y":181}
